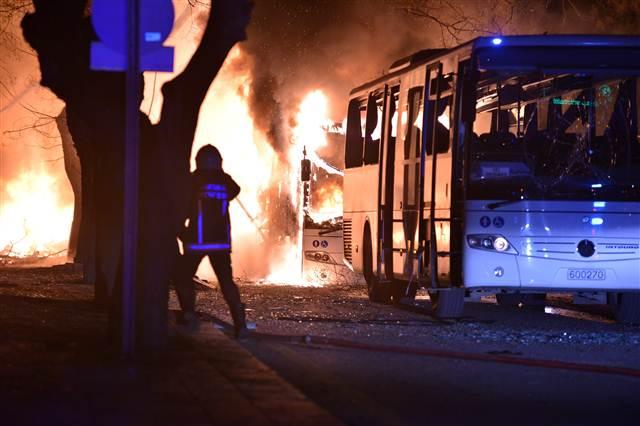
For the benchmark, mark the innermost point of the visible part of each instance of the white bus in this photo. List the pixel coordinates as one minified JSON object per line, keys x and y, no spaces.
{"x":507,"y":166}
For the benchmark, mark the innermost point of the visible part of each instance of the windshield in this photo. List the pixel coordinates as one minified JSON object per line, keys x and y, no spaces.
{"x":568,"y":137}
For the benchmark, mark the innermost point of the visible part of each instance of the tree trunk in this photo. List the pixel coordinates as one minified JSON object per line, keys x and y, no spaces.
{"x":60,"y":33}
{"x":72,"y":169}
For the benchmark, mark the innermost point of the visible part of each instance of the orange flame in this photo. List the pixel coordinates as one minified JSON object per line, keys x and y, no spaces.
{"x":33,"y":222}
{"x":327,"y":203}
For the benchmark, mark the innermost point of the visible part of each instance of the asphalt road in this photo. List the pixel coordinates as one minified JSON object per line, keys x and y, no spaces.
{"x":389,"y":380}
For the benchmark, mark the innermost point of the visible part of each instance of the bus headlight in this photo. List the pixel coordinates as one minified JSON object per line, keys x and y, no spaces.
{"x":501,"y":244}
{"x":490,"y":242}
{"x":318,"y":256}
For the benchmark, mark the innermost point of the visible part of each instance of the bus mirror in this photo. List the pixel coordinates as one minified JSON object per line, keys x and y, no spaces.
{"x":305,"y":170}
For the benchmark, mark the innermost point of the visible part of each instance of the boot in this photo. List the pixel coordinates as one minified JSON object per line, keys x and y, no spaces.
{"x":239,"y":321}
{"x":189,"y":320}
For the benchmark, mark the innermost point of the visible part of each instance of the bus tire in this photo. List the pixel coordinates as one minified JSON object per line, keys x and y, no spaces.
{"x":626,"y":307}
{"x":377,"y":293}
{"x":448,"y":303}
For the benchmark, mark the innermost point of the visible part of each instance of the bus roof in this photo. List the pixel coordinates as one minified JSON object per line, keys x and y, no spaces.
{"x":577,"y":40}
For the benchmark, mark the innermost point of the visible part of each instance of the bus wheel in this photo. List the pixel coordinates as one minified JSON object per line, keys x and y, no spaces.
{"x":448,"y":303}
{"x":626,"y":307}
{"x":375,"y":290}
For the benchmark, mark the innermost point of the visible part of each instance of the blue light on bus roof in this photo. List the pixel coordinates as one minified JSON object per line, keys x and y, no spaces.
{"x":597,"y":221}
{"x":497,"y":41}
{"x":599,"y":204}
{"x":596,"y":185}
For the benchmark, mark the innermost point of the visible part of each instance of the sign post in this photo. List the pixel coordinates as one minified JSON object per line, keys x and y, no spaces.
{"x":131,"y":36}
{"x":131,"y":153}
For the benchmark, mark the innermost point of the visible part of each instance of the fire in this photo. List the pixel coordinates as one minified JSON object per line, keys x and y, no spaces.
{"x":310,"y":134}
{"x":312,"y":122}
{"x":33,"y":221}
{"x":288,"y":270}
{"x":327,"y":203}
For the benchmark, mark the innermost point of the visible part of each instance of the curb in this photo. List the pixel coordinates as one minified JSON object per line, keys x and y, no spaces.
{"x":276,"y":401}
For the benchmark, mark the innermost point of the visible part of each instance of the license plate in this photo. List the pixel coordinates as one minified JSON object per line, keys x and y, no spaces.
{"x":587,"y":274}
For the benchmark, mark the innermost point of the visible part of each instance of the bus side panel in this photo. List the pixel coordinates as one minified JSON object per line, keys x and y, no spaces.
{"x":360,"y":206}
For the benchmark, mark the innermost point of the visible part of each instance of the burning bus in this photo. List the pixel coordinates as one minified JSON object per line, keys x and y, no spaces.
{"x":506,"y":166}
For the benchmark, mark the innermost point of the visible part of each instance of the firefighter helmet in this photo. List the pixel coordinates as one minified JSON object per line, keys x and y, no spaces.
{"x":208,"y":158}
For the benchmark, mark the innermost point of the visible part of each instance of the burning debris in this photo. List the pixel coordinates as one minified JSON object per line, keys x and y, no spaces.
{"x":34,"y":224}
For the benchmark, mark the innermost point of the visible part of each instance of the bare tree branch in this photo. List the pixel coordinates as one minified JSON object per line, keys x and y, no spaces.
{"x":457,"y":21}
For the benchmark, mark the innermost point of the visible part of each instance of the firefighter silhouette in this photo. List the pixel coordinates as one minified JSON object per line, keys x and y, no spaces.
{"x":208,"y":233}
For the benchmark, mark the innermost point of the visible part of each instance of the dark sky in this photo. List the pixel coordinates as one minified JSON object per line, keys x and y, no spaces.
{"x":333,"y":45}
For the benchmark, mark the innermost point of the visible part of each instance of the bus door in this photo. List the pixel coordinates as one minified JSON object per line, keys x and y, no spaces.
{"x":405,"y":226}
{"x":435,"y":184}
{"x":386,"y":183}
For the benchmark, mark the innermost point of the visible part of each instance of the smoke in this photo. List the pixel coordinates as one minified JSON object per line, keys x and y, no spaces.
{"x":335,"y":45}
{"x":330,"y":45}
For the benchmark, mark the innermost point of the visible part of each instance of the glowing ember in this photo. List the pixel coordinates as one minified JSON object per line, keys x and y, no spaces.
{"x":32,"y":220}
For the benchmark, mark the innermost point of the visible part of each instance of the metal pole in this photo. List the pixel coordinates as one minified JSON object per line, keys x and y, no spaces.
{"x":130,"y":224}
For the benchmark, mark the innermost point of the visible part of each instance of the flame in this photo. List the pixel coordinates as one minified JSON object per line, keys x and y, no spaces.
{"x":225,"y":122}
{"x":288,"y":269}
{"x":310,"y":134}
{"x":327,"y":203}
{"x":33,"y":222}
{"x":312,"y":122}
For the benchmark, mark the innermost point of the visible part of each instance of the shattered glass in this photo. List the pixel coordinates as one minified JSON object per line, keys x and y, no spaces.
{"x":539,"y":136}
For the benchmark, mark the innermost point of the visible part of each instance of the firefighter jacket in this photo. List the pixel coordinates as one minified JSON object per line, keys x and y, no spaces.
{"x":209,"y":227}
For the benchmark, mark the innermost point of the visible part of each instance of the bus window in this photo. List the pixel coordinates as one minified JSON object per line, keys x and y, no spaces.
{"x":636,"y":150}
{"x":482,"y":124}
{"x":638,"y":110}
{"x":394,"y":117}
{"x":373,"y":129}
{"x":355,"y":134}
{"x":543,"y":112}
{"x":442,"y":123}
{"x":414,"y":129}
{"x":606,"y":95}
{"x":566,"y":132}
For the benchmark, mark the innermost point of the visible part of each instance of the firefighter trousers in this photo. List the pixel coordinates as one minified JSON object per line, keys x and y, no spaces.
{"x":186,"y":267}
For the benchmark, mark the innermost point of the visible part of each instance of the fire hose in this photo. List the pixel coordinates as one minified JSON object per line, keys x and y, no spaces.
{"x":435,"y":353}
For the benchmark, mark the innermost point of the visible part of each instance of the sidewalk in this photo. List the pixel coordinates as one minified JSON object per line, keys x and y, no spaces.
{"x":55,"y":368}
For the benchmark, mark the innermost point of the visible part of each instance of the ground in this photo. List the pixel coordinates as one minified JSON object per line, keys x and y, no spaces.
{"x":56,"y":367}
{"x":388,"y":365}
{"x":362,"y":363}
{"x":565,"y":332}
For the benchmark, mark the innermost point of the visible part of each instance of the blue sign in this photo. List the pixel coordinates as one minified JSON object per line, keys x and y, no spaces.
{"x":110,"y":23}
